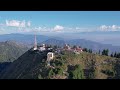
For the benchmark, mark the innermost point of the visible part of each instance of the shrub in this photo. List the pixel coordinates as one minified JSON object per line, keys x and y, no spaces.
{"x":40,"y":77}
{"x":77,"y":73}
{"x":51,"y":73}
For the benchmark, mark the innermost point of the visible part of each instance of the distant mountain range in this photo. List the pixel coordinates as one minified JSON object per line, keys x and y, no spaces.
{"x":84,"y":44}
{"x":11,"y":50}
{"x":29,"y":40}
{"x":53,"y":41}
{"x":26,"y":39}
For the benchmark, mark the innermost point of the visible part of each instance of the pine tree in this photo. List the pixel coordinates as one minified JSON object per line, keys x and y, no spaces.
{"x":111,"y":55}
{"x":115,"y":54}
{"x":74,"y":46}
{"x":106,"y":52}
{"x":90,"y":50}
{"x":85,"y":49}
{"x":103,"y":52}
{"x":118,"y":55}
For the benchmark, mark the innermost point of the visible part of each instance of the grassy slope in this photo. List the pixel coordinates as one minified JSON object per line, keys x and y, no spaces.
{"x":85,"y":60}
{"x":30,"y":66}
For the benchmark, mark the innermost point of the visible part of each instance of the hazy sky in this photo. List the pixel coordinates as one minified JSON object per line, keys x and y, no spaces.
{"x":63,"y":23}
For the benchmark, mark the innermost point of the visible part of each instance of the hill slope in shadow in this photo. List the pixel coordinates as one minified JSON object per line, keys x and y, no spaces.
{"x":26,"y":66}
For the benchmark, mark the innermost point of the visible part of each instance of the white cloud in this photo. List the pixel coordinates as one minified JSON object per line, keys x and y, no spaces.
{"x":28,"y":23}
{"x":103,"y":27}
{"x":17,"y":26}
{"x":22,"y":24}
{"x":109,"y":28}
{"x":42,"y":29}
{"x":15,"y":23}
{"x":39,"y":28}
{"x":114,"y":27}
{"x":58,"y":27}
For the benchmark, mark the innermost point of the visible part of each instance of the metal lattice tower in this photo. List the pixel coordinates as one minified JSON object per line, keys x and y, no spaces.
{"x":35,"y":43}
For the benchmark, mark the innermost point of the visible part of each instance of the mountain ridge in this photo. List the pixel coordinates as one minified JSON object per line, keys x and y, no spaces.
{"x":11,"y":50}
{"x":29,"y":41}
{"x":95,"y":46}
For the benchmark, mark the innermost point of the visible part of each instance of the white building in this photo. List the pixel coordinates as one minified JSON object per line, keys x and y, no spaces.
{"x":50,"y":56}
{"x":43,"y":45}
{"x":42,"y":48}
{"x":67,"y":47}
{"x":78,"y":50}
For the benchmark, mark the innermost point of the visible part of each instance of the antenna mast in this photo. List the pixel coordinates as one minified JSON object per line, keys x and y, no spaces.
{"x":35,"y":43}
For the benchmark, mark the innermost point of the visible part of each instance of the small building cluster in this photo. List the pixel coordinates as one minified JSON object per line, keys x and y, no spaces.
{"x":76,"y":49}
{"x":50,"y":54}
{"x":67,"y":47}
{"x":42,"y":48}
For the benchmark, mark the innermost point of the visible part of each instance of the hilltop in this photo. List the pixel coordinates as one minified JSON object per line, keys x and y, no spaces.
{"x":65,"y":65}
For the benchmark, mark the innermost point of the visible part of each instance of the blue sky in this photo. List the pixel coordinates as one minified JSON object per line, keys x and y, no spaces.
{"x":63,"y":23}
{"x":65,"y":18}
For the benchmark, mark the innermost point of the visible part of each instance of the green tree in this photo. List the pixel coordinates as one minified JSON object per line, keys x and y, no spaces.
{"x":58,"y":71}
{"x":90,"y":50}
{"x":111,"y":55}
{"x":115,"y":54}
{"x":105,"y":52}
{"x":74,"y":46}
{"x":77,"y":73}
{"x":118,"y":55}
{"x":85,"y":49}
{"x":51,"y":73}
